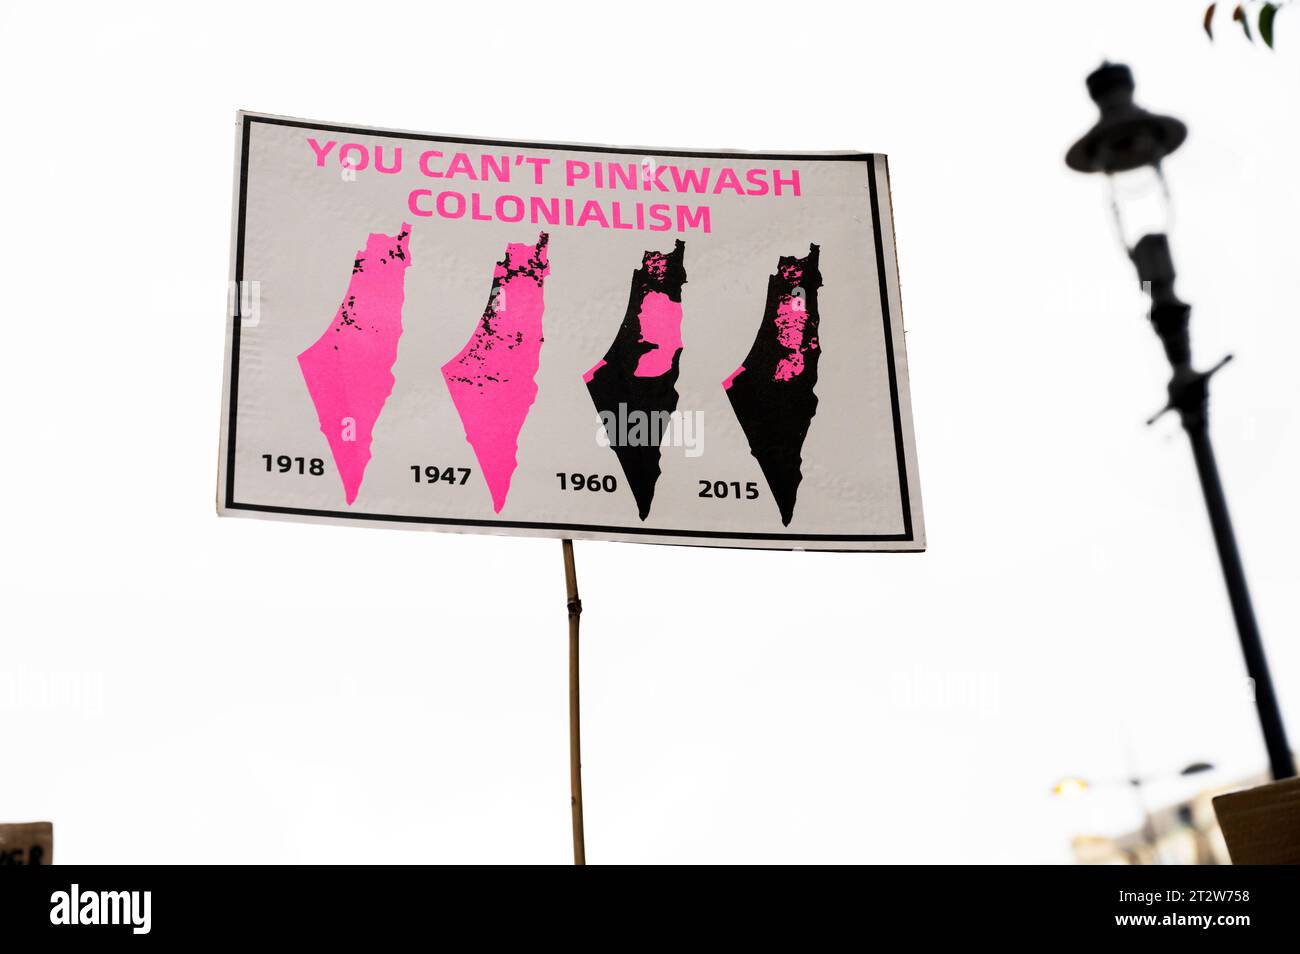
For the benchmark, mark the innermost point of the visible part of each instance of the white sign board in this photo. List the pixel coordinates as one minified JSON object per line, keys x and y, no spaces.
{"x":648,"y":345}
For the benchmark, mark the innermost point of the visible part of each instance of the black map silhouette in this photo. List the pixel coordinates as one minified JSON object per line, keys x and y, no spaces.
{"x":772,"y":392}
{"x":618,"y":391}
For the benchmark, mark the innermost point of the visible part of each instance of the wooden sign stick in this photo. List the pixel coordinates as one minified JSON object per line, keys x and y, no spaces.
{"x":575,"y":735}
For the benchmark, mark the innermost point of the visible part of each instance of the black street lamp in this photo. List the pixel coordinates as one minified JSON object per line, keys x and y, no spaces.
{"x":1128,"y":144}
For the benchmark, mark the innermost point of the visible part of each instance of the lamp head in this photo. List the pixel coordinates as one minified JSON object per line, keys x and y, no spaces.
{"x":1127,"y":144}
{"x":1126,"y":136}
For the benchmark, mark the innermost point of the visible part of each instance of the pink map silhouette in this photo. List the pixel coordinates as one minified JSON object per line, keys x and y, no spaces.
{"x":349,"y":370}
{"x":791,"y":321}
{"x":493,"y":379}
{"x":661,"y":326}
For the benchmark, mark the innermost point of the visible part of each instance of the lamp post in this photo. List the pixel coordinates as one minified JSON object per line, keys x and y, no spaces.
{"x":1128,"y":144}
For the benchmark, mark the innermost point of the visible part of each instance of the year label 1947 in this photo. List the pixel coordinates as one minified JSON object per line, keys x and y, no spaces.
{"x":434,"y":475}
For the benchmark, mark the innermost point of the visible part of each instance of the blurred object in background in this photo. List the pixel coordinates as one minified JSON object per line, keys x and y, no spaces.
{"x":1261,"y":825}
{"x":1175,"y":828}
{"x":27,"y":843}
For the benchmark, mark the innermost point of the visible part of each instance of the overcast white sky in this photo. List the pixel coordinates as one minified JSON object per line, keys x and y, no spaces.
{"x":177,"y":688}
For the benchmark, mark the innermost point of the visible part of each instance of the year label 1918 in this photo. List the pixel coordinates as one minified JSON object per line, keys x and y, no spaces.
{"x":294,"y":465}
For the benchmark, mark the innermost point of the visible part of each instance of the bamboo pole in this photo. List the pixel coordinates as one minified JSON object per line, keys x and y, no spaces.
{"x":575,"y":735}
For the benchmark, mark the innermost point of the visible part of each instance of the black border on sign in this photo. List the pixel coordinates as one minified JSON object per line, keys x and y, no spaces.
{"x":232,"y":411}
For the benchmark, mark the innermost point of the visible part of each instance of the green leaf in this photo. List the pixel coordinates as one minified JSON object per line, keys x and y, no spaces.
{"x":1266,"y":15}
{"x":1240,"y":16}
{"x":1209,"y":20}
